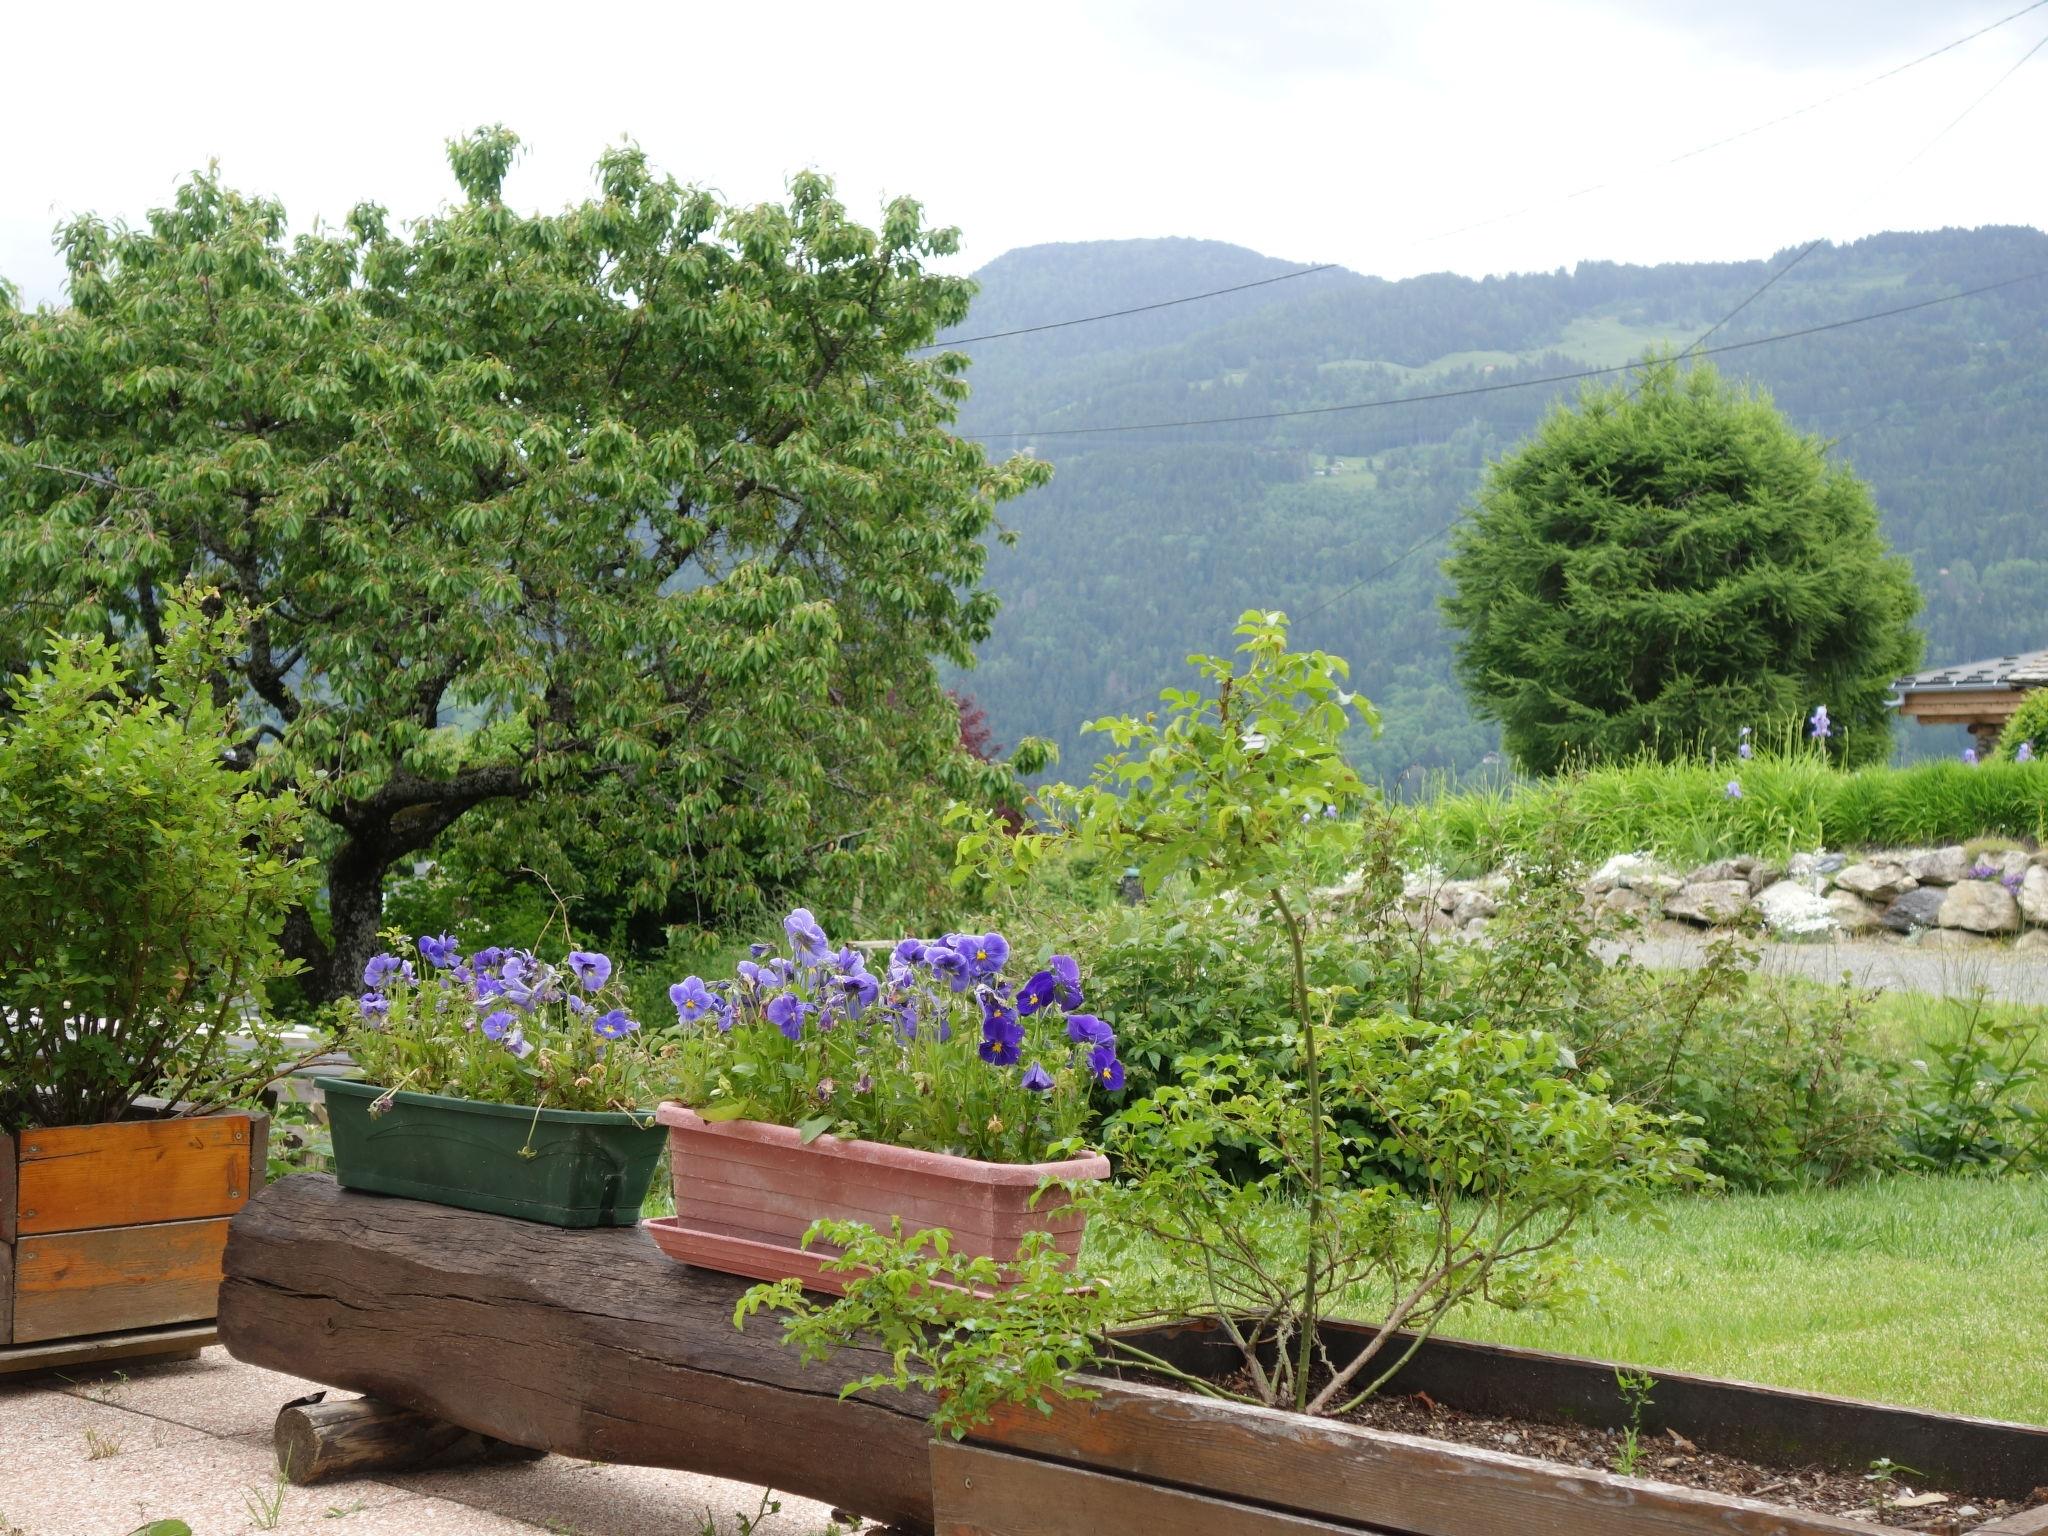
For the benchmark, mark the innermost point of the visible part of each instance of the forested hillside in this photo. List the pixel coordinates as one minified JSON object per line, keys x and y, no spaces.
{"x":1148,"y":544}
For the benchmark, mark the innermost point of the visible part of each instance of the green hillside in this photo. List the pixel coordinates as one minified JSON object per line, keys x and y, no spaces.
{"x":1148,"y":544}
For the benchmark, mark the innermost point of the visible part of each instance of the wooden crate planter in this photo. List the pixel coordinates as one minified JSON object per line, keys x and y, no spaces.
{"x":1148,"y":1457}
{"x":116,"y":1228}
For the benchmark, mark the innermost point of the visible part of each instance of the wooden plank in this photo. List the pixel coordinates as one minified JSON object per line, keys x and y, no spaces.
{"x":1773,"y":1425}
{"x":979,"y":1492}
{"x":180,"y":1343}
{"x":1374,"y":1478}
{"x":125,"y":1173}
{"x":7,"y":1179}
{"x":2028,"y":1522}
{"x":68,"y":1284}
{"x":587,"y":1343}
{"x":318,"y":1441}
{"x":6,"y":1293}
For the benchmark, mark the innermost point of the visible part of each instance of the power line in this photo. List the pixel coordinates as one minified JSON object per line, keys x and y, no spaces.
{"x":1492,"y":389}
{"x":1697,"y":150}
{"x":1139,"y":309}
{"x":1989,"y":92}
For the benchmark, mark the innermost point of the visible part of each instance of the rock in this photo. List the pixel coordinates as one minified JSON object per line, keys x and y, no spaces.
{"x":1626,"y":903}
{"x":2033,"y":942}
{"x":1474,"y":906}
{"x":1952,"y":938}
{"x":1451,"y":892}
{"x":1655,"y":886}
{"x":1423,"y":884}
{"x":1877,"y":879}
{"x":1916,"y":909}
{"x":1852,"y":912}
{"x":1709,"y":902}
{"x":1980,"y":906}
{"x":1632,"y":872}
{"x":1764,"y":875}
{"x":1791,"y":911}
{"x":2012,"y":863}
{"x":1818,"y":865}
{"x":2034,"y":895}
{"x":1722,"y":869}
{"x":1936,"y":866}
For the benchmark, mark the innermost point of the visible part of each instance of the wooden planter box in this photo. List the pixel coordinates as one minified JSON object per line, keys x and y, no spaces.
{"x":1143,"y":1457}
{"x":746,"y":1192}
{"x":115,"y":1228}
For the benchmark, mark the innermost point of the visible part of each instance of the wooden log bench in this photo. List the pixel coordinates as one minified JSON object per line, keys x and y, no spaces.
{"x":586,"y":1343}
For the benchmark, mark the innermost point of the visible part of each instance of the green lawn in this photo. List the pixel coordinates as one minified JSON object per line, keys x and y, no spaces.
{"x":1931,"y":1292}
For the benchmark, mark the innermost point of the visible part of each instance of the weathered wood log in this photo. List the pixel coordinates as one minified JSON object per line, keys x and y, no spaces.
{"x":588,"y":1343}
{"x":357,"y":1436}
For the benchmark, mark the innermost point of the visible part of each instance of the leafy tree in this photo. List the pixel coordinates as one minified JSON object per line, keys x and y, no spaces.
{"x":1667,"y":562}
{"x":637,"y":518}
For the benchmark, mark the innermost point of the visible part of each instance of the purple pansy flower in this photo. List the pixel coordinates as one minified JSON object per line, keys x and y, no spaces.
{"x":518,"y":1044}
{"x":908,"y":951}
{"x":1104,"y":1067}
{"x":693,"y":999}
{"x":806,"y":938}
{"x":1068,"y":970}
{"x":615,"y":1024}
{"x":1037,"y":993}
{"x":1037,"y":1079}
{"x":786,"y":1011}
{"x":488,"y":958}
{"x":496,"y":1026}
{"x":985,"y":953}
{"x":374,"y":1005}
{"x":577,"y":1006}
{"x":591,"y":969}
{"x":1086,"y":1029}
{"x":1002,"y":1037}
{"x":857,"y":989}
{"x":951,"y":964}
{"x":439,"y":952}
{"x":382,"y":967}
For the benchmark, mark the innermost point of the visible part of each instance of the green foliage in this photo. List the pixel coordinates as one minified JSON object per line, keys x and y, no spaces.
{"x":618,"y":537}
{"x":1635,"y":1388}
{"x":1790,"y":803}
{"x":1969,"y":1103}
{"x":2028,"y":726}
{"x":500,"y":1027}
{"x":1779,"y":1082}
{"x":142,"y":883}
{"x":1939,"y":410}
{"x":939,"y":1315}
{"x":1670,"y":561}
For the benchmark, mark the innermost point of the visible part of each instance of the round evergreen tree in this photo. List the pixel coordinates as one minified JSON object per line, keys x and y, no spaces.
{"x":1654,"y":569}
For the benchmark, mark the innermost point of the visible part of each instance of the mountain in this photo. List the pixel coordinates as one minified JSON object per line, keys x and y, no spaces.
{"x":1147,"y":545}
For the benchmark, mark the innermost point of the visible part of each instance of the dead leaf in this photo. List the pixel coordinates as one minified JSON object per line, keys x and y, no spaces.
{"x":1919,"y":1501}
{"x":1680,"y":1441}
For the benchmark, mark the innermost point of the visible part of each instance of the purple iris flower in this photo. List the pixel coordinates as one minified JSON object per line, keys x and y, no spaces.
{"x":614,"y":1025}
{"x":693,"y":999}
{"x":1037,"y":993}
{"x":382,"y":967}
{"x":374,"y":1005}
{"x":786,"y":1011}
{"x":806,"y":938}
{"x":1733,"y":789}
{"x":1970,"y":756}
{"x":1818,"y":727}
{"x":1037,"y":1079}
{"x":1068,"y":970}
{"x":1104,"y":1067}
{"x":1745,"y":751}
{"x":439,"y":952}
{"x":2025,"y":753}
{"x":590,"y":968}
{"x":1086,"y":1029}
{"x":496,"y":1026}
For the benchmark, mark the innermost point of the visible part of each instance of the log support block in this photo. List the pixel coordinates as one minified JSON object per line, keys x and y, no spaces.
{"x":585,"y":1343}
{"x":317,"y":1441}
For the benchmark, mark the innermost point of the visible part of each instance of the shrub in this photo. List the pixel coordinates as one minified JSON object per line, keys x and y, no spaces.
{"x":2028,"y":726}
{"x":142,"y":885}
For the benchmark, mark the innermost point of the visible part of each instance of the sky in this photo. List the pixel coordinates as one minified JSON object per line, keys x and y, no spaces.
{"x":1392,"y":138}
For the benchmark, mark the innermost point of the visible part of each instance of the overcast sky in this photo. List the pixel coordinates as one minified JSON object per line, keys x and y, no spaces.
{"x":1357,"y":133}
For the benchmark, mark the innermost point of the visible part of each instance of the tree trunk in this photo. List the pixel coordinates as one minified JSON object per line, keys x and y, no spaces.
{"x":355,"y":909}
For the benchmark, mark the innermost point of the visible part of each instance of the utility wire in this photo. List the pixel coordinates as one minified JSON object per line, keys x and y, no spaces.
{"x":1989,"y":91}
{"x":1493,"y":389}
{"x":1139,"y":309}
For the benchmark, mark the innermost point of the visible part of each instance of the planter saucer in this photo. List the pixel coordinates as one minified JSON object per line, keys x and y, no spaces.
{"x":751,"y":1257}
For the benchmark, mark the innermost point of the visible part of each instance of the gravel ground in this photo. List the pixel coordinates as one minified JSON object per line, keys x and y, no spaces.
{"x":2002,"y":973}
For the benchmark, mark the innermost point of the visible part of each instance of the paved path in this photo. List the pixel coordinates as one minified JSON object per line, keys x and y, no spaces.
{"x":2000,"y":972}
{"x":102,"y":1456}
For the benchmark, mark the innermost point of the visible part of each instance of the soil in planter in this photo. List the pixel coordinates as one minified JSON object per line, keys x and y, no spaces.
{"x":1667,"y":1458}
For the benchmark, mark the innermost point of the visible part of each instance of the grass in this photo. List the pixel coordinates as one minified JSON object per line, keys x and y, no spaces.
{"x":1923,"y":1291}
{"x":1790,"y":802}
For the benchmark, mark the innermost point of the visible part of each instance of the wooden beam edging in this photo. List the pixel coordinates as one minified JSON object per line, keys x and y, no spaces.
{"x":586,"y":1343}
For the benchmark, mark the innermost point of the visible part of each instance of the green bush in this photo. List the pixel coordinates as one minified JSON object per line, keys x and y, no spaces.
{"x":142,"y":884}
{"x":1789,"y":802}
{"x":2028,"y":724}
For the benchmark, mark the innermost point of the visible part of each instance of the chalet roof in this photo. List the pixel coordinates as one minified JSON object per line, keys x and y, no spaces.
{"x":2026,"y":669}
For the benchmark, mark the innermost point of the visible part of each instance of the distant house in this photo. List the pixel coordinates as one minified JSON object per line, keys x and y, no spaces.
{"x":1980,"y":695}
